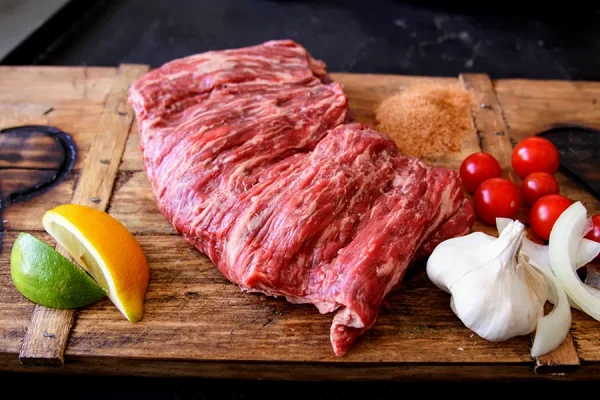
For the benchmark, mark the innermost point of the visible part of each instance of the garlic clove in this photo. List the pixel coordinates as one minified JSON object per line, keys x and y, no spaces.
{"x":501,"y":301}
{"x":441,"y":269}
{"x":495,"y":293}
{"x":587,"y":249}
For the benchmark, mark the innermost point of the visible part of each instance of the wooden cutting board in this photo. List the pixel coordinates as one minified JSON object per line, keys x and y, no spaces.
{"x":198,"y":324}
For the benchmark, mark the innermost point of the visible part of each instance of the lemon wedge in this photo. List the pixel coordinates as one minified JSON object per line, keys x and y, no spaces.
{"x":106,"y":250}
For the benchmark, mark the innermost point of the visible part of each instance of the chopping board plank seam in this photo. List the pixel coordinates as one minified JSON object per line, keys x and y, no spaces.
{"x":133,"y":232}
{"x":121,"y":179}
{"x":29,"y":168}
{"x":47,"y":335}
{"x":566,"y":356}
{"x":495,"y":139}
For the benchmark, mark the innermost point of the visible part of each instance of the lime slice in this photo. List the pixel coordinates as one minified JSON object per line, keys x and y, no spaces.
{"x":46,"y":277}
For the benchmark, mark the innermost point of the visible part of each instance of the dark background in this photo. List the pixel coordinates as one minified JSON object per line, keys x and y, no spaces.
{"x":549,"y":41}
{"x":504,"y":39}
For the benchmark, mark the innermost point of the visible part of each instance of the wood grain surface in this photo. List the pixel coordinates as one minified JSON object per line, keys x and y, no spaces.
{"x":196,"y":323}
{"x":533,"y":107}
{"x":492,"y":130}
{"x":46,"y":337}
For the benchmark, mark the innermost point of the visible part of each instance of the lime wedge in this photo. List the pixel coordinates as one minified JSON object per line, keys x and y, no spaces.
{"x":46,"y":277}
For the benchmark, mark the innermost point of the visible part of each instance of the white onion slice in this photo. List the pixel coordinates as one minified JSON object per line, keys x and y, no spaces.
{"x":552,"y":328}
{"x":592,"y":284}
{"x":586,"y":252}
{"x":564,"y":241}
{"x":573,"y":305}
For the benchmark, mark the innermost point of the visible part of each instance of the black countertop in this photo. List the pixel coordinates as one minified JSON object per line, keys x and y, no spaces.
{"x":559,"y":41}
{"x":416,"y":38}
{"x":63,"y":387}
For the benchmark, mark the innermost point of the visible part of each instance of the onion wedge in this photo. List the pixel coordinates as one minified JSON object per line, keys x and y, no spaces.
{"x":552,"y":328}
{"x":563,"y":245}
{"x":586,"y":252}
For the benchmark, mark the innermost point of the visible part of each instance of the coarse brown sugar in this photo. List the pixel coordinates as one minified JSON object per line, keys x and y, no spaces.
{"x":427,"y":120}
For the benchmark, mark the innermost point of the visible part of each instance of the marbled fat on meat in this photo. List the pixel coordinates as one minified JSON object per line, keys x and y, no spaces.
{"x":253,"y":159}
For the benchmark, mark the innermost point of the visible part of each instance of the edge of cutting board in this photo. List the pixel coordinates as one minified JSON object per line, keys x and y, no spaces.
{"x":38,"y":354}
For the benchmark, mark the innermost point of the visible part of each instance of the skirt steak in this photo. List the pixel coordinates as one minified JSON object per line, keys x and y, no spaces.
{"x":253,"y":159}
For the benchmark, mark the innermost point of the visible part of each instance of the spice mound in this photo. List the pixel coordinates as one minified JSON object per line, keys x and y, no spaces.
{"x":427,"y":120}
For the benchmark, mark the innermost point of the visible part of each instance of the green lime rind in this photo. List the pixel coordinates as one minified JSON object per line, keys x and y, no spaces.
{"x":46,"y":277}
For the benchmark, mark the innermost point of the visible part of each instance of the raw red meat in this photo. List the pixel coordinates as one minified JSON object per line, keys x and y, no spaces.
{"x":253,"y":160}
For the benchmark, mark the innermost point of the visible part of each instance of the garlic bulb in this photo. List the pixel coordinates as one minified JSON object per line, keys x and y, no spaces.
{"x":494,"y":291}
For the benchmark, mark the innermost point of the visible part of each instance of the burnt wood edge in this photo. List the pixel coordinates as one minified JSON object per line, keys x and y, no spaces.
{"x":302,"y":371}
{"x":568,"y":167}
{"x":70,"y":157}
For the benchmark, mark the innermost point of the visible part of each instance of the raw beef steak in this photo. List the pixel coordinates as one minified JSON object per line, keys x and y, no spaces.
{"x":253,"y":160}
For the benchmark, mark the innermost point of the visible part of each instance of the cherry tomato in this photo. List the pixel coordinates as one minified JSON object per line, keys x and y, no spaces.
{"x":537,"y":185}
{"x":535,"y":154}
{"x":496,"y":198}
{"x":477,"y":168}
{"x":594,"y":234}
{"x":545,"y":212}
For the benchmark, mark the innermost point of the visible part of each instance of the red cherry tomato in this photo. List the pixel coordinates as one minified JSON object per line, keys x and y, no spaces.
{"x":477,"y":168}
{"x":535,"y":154}
{"x":594,"y":234}
{"x":496,"y":198}
{"x":537,"y":185}
{"x":545,"y":212}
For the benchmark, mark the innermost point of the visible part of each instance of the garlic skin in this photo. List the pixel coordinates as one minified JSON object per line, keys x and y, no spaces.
{"x":442,"y":271}
{"x":494,"y":291}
